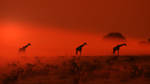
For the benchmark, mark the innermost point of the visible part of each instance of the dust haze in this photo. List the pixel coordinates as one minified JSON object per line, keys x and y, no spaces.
{"x":48,"y":41}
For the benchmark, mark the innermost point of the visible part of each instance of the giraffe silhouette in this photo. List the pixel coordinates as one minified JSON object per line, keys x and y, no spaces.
{"x":117,"y":48}
{"x":23,"y":49}
{"x":79,"y":48}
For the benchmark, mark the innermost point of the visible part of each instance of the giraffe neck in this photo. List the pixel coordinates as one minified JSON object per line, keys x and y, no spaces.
{"x":83,"y":45}
{"x":26,"y":46}
{"x":122,"y":45}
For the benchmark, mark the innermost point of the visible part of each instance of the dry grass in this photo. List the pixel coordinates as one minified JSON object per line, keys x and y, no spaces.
{"x":83,"y":70}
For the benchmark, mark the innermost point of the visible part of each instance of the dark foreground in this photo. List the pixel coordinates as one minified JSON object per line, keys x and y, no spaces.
{"x":83,"y":70}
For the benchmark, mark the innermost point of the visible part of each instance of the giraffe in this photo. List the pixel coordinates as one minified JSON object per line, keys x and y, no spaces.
{"x":117,"y":48}
{"x":79,"y":48}
{"x":23,"y":49}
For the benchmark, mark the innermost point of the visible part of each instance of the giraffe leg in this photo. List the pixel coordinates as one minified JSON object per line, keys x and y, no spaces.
{"x":114,"y":52}
{"x":80,"y":52}
{"x":118,"y":52}
{"x":76,"y":52}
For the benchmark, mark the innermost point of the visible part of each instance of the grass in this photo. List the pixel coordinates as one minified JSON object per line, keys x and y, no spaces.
{"x":75,"y":70}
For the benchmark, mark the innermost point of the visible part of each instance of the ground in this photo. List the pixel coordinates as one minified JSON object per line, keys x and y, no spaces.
{"x":79,"y":70}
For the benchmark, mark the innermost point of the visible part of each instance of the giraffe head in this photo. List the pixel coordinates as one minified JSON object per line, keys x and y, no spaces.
{"x":84,"y":43}
{"x":29,"y":44}
{"x":124,"y":44}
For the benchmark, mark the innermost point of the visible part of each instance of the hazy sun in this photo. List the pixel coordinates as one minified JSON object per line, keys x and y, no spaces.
{"x":11,"y":32}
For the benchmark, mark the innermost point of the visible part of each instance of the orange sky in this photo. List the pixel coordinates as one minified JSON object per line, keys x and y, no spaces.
{"x":131,"y":17}
{"x":51,"y":41}
{"x":54,"y":26}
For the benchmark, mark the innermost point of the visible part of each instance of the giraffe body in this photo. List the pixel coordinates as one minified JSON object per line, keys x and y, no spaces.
{"x":117,"y":48}
{"x":79,"y":49}
{"x":23,"y":49}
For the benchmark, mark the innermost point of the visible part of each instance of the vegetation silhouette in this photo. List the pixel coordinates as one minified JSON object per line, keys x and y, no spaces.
{"x":81,"y":70}
{"x":115,"y":36}
{"x":147,"y":42}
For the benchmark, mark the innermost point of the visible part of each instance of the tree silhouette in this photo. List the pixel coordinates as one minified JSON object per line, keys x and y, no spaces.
{"x":116,"y":36}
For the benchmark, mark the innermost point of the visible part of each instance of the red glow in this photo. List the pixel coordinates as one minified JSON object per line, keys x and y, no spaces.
{"x":54,"y":42}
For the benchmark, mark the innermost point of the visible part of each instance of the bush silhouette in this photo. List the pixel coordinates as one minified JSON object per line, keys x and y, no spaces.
{"x":116,"y":36}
